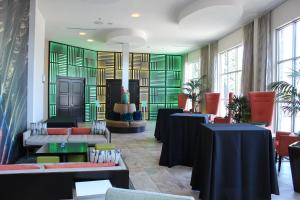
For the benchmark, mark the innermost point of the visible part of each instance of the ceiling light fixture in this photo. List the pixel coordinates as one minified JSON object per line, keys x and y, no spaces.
{"x":90,"y":40}
{"x":82,"y":33}
{"x":135,"y":15}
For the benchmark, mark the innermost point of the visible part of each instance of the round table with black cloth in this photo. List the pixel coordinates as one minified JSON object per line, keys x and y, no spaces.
{"x":162,"y":122}
{"x":294,"y":154}
{"x":234,"y":161}
{"x":179,"y":146}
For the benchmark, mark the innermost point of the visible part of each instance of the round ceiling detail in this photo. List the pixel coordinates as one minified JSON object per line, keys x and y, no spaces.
{"x":210,"y":16}
{"x":135,"y":38}
{"x":101,"y":1}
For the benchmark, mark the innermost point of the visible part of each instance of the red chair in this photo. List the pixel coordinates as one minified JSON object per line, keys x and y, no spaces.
{"x":182,"y":99}
{"x":212,"y":104}
{"x":282,"y":142}
{"x":227,"y":119}
{"x":262,"y":107}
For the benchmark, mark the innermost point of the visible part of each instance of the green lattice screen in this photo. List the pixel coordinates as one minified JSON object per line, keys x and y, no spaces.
{"x":165,"y":82}
{"x":160,"y":77}
{"x":73,"y":62}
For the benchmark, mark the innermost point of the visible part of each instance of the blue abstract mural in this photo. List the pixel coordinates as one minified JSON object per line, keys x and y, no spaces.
{"x":14,"y":28}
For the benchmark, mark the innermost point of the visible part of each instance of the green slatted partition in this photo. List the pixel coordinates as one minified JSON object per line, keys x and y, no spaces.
{"x":165,"y":82}
{"x":159,"y":75}
{"x":73,"y":62}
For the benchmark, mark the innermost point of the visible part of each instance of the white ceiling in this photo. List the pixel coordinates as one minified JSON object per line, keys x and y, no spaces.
{"x":168,"y":26}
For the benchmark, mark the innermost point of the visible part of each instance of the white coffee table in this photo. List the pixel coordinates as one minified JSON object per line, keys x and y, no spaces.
{"x":91,"y":190}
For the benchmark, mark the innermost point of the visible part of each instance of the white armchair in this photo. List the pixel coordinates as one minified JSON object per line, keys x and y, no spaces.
{"x":117,"y":194}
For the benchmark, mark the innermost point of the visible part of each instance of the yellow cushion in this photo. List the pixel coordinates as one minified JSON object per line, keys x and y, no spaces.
{"x":47,"y":159}
{"x":104,"y":147}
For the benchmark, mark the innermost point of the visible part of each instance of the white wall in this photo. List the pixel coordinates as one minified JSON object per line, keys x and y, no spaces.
{"x":285,"y":13}
{"x":36,"y":64}
{"x":233,"y":39}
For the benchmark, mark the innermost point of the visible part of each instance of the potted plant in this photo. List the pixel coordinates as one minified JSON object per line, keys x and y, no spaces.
{"x":288,"y":95}
{"x":194,"y":89}
{"x":240,"y":109}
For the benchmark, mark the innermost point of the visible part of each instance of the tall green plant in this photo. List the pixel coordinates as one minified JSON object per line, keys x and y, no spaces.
{"x":195,"y":89}
{"x":240,"y":109}
{"x":287,"y":94}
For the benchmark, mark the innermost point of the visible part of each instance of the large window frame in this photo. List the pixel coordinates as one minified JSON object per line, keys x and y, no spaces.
{"x":280,"y":62}
{"x":221,"y":75}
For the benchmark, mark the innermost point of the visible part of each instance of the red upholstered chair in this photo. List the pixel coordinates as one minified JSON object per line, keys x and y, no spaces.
{"x":227,"y":119}
{"x":182,"y":98}
{"x":262,"y":107}
{"x":282,"y":142}
{"x":212,"y":103}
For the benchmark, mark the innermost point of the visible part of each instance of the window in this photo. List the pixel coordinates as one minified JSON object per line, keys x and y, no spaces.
{"x":288,"y":60}
{"x":230,"y":73}
{"x":192,"y":71}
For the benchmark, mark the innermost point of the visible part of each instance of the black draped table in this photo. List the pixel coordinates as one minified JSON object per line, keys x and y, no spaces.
{"x":179,"y":145}
{"x":234,"y":161}
{"x":162,"y":122}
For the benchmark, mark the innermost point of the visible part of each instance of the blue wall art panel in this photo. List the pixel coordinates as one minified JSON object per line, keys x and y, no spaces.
{"x":14,"y":28}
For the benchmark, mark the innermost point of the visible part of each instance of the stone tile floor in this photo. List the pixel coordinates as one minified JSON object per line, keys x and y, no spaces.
{"x":141,"y":153}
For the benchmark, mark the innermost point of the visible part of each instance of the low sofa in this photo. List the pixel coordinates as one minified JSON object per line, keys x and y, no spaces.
{"x":66,"y":135}
{"x":56,"y":181}
{"x":128,"y":124}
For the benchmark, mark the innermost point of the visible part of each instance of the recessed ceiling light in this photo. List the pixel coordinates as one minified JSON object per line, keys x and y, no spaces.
{"x":98,"y":22}
{"x":90,"y":40}
{"x":82,"y":33}
{"x":135,"y":15}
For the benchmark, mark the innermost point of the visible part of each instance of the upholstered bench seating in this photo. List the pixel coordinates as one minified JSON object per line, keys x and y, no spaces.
{"x":39,"y":140}
{"x":56,"y":181}
{"x":66,"y":135}
{"x":123,"y":120}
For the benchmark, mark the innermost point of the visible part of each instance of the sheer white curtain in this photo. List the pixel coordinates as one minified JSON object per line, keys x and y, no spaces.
{"x":248,"y":70}
{"x":213,"y":65}
{"x":263,"y":72}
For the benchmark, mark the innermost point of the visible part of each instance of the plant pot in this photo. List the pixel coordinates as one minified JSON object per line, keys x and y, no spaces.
{"x":294,"y":154}
{"x":193,"y":106}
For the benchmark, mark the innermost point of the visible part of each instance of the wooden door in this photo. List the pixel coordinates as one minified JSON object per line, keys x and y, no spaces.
{"x":113,"y":93}
{"x":134,"y":90}
{"x":70,"y":98}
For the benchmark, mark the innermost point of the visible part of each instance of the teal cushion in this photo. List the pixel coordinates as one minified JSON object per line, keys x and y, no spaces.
{"x":127,"y":117}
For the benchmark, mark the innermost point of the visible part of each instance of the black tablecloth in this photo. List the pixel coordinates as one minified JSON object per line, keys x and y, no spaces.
{"x":162,"y":122}
{"x":234,"y":162}
{"x":61,"y":122}
{"x":179,"y":147}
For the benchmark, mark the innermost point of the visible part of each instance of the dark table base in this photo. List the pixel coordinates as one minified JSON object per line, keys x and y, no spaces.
{"x":294,"y":154}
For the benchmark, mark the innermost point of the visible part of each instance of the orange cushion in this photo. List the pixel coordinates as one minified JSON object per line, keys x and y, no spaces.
{"x":57,"y":131}
{"x":18,"y":167}
{"x":79,"y":165}
{"x":81,"y":131}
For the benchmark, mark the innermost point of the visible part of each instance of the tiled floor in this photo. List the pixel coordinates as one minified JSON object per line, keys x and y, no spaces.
{"x":141,"y":152}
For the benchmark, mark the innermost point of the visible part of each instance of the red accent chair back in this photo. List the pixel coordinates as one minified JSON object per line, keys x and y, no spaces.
{"x":212,"y":103}
{"x":282,"y":142}
{"x":226,"y":119}
{"x":262,"y":107}
{"x":182,"y":98}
